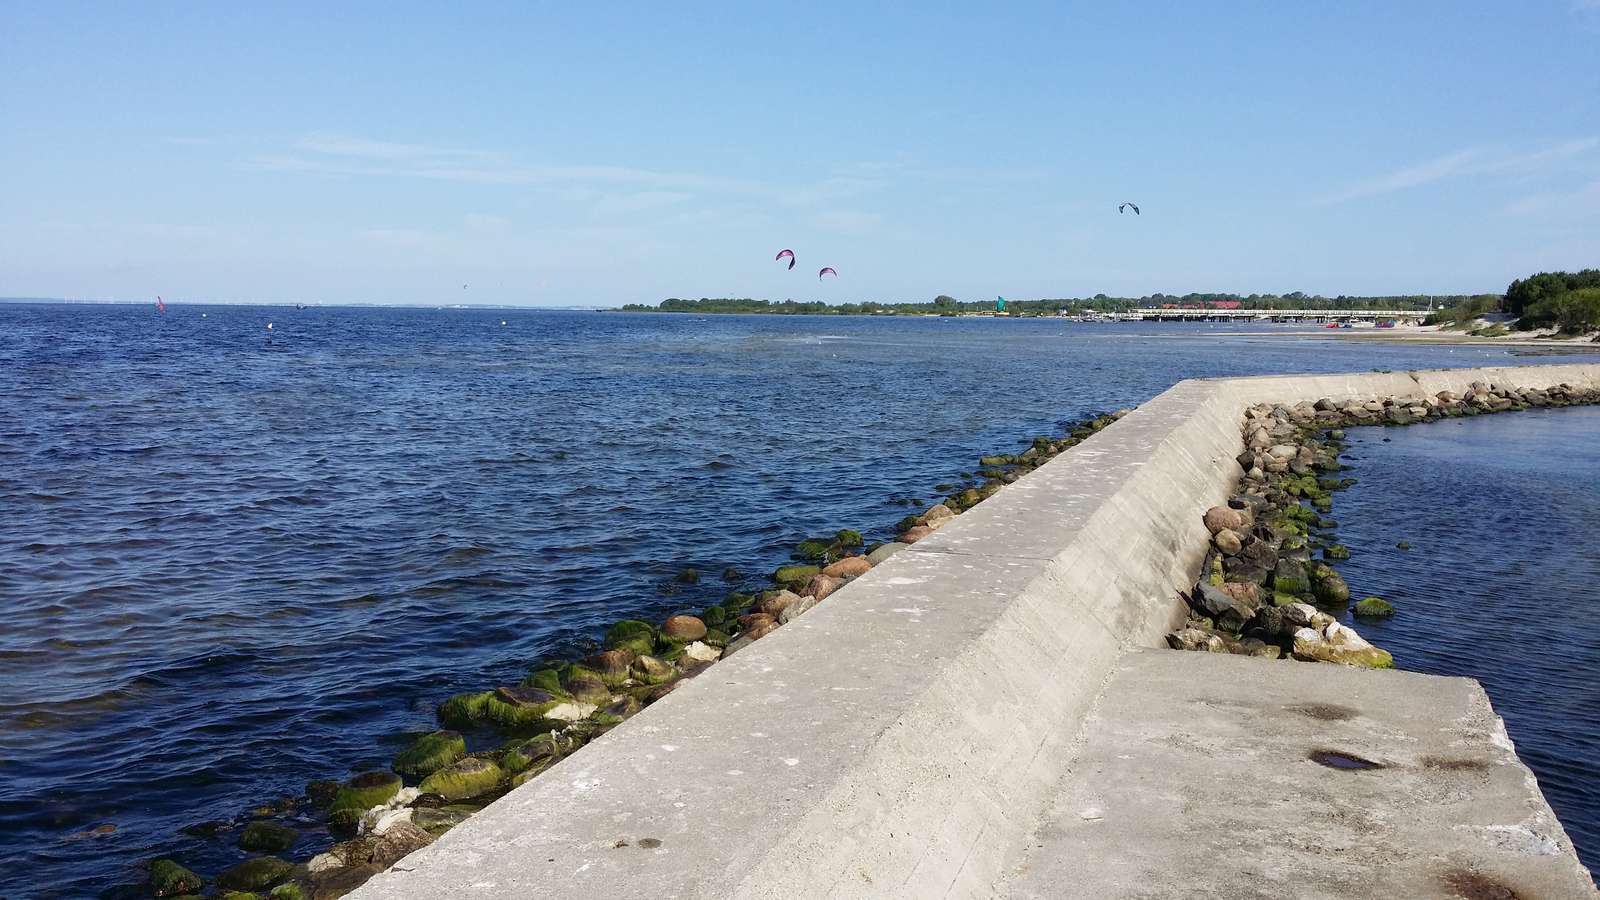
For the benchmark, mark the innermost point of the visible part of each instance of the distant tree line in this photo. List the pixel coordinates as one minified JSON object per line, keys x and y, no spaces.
{"x":1099,"y":303}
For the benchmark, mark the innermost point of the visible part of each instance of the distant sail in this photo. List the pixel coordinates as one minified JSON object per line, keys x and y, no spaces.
{"x":160,"y":306}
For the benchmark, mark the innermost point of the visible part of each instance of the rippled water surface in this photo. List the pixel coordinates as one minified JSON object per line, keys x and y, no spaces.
{"x":1502,"y":580}
{"x":233,"y":561}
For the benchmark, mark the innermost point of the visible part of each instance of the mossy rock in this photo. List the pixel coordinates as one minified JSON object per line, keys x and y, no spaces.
{"x":794,"y":574}
{"x":320,"y":793}
{"x":519,"y":756}
{"x":521,"y":708}
{"x":714,"y":616}
{"x":1323,"y":504}
{"x":736,"y":602}
{"x":365,"y":791}
{"x":845,"y":537}
{"x":584,"y":684}
{"x":168,"y":879}
{"x":238,"y":895}
{"x":267,"y":837}
{"x":906,"y":524}
{"x":547,"y":680}
{"x":1282,"y":599}
{"x":1328,"y":586}
{"x":716,"y":637}
{"x":1215,"y":574}
{"x":1374,"y":608}
{"x":688,"y":576}
{"x":287,"y":892}
{"x":1403,"y":545}
{"x":997,"y":460}
{"x":812,"y":549}
{"x":464,"y":710}
{"x":255,"y":874}
{"x":731,"y":574}
{"x":631,"y":634}
{"x":1336,"y":551}
{"x":430,"y":753}
{"x":464,"y":779}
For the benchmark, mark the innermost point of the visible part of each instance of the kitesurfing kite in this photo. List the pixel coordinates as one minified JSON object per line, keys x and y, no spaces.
{"x":160,"y":307}
{"x":1121,"y":205}
{"x":827,"y":270}
{"x":788,"y":253}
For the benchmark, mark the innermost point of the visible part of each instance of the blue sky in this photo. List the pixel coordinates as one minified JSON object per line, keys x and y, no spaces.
{"x":550,"y":154}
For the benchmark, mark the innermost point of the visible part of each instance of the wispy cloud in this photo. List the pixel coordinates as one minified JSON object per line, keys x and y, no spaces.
{"x":333,"y":154}
{"x":1471,"y":161}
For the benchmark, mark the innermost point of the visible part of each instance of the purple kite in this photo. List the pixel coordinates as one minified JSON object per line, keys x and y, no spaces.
{"x":827,"y":270}
{"x":788,"y":253}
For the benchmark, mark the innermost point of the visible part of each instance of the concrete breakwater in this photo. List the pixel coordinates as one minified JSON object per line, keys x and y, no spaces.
{"x":911,"y":736}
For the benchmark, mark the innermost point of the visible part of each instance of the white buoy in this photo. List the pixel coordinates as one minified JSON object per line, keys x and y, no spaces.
{"x":502,"y":321}
{"x":202,"y":315}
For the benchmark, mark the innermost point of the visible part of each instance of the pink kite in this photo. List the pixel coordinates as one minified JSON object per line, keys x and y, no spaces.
{"x":788,"y":253}
{"x":160,"y":307}
{"x":827,"y":270}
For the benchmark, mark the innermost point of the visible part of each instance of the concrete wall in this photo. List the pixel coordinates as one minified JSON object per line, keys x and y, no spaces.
{"x":901,"y":738}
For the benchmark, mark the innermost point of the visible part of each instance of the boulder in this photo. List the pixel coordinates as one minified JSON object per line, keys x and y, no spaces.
{"x":611,"y":665}
{"x":1289,"y":577}
{"x":789,"y":576}
{"x":917,"y":533}
{"x":378,"y":819}
{"x":1339,"y":644}
{"x":1195,"y":639}
{"x":820,"y":586}
{"x":632,"y":635}
{"x":699,"y":652}
{"x":849,"y":567}
{"x":1283,"y":452}
{"x":1218,"y":518}
{"x":776,"y":602}
{"x":1373,"y":608}
{"x":168,"y":879}
{"x":267,"y":837}
{"x":651,"y":670}
{"x":430,"y":753}
{"x":1328,"y":586}
{"x":1229,"y":611}
{"x":585,"y":685}
{"x":683,"y":629}
{"x":1228,"y":541}
{"x":876,"y":557}
{"x":759,"y":631}
{"x":254,"y":874}
{"x":358,"y":795}
{"x":936,"y":514}
{"x":463,"y":779}
{"x":1304,"y":615}
{"x":793,"y":610}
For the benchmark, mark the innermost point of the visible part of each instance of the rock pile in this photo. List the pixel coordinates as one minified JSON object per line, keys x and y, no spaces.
{"x":1262,"y":592}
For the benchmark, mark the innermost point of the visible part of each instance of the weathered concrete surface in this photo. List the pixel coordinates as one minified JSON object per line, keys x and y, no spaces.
{"x":1195,"y":779}
{"x":902,"y":738}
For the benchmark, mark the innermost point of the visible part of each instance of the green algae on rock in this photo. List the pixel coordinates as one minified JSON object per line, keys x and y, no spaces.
{"x":360,"y":794}
{"x":267,"y":837}
{"x":255,"y":874}
{"x":464,"y":710}
{"x":631,"y":634}
{"x":169,"y":879}
{"x":794,"y":575}
{"x":463,"y":779}
{"x":430,"y":753}
{"x":1373,"y":608}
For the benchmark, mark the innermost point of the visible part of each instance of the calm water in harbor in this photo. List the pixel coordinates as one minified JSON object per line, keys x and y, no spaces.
{"x":233,"y":561}
{"x":1502,"y":580}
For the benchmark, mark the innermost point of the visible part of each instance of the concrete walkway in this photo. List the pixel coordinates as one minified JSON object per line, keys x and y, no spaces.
{"x":906,"y":737}
{"x":1196,"y":778}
